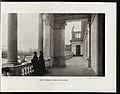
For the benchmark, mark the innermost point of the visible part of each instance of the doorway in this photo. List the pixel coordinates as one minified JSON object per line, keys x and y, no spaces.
{"x":77,"y":50}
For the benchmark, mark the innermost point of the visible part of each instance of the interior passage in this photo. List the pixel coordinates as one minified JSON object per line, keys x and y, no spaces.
{"x":75,"y":66}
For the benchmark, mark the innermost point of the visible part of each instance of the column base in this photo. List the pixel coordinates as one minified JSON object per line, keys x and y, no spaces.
{"x":51,"y":62}
{"x":89,"y":62}
{"x":59,"y":61}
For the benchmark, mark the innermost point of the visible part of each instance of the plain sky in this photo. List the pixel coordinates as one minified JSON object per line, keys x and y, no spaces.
{"x":28,"y":31}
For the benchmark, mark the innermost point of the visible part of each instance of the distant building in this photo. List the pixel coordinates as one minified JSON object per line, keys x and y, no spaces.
{"x":76,"y":43}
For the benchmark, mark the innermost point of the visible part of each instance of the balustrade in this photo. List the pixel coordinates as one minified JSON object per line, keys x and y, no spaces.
{"x":18,"y":70}
{"x":25,"y":69}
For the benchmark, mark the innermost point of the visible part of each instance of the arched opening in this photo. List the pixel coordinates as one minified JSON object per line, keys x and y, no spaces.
{"x":72,"y":38}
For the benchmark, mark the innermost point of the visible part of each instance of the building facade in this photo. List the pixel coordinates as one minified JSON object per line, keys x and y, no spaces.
{"x":76,"y":43}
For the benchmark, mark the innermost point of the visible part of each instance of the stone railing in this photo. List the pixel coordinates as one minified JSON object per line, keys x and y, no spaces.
{"x":67,"y":56}
{"x":25,"y":69}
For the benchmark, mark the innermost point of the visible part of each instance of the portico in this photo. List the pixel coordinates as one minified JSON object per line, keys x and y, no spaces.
{"x":55,"y":38}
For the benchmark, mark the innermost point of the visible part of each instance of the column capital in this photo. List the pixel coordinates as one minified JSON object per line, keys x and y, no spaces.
{"x":48,"y":19}
{"x":60,"y":24}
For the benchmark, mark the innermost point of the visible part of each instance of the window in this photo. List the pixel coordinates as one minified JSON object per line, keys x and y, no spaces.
{"x":78,"y":35}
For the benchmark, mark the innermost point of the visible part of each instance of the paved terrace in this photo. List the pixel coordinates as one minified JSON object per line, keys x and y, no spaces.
{"x":75,"y":66}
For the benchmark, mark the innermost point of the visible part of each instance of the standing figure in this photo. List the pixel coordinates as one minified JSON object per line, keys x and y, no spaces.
{"x":36,"y":65}
{"x":42,"y":64}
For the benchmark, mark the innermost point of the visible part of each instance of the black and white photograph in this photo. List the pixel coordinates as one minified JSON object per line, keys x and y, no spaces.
{"x":53,"y":44}
{"x":58,"y":46}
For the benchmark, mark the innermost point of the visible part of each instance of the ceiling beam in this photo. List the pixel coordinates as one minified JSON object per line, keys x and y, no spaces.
{"x":70,"y":17}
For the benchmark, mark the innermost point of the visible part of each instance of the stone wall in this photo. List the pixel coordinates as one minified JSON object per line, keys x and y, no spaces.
{"x":94,"y":46}
{"x":98,"y":44}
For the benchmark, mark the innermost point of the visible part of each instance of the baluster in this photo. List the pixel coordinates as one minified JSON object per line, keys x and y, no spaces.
{"x":4,"y":73}
{"x":28,"y":70}
{"x":23,"y":72}
{"x":32,"y":69}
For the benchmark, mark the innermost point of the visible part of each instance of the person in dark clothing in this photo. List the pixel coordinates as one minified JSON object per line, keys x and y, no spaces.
{"x":42,"y":64}
{"x":35,"y":57}
{"x":36,"y":65}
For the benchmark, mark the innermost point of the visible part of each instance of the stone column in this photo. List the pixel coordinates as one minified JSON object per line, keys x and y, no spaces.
{"x":56,"y":44}
{"x":49,"y":38}
{"x":59,"y":38}
{"x":89,"y":59}
{"x":88,"y":45}
{"x":85,"y":46}
{"x":40,"y":33}
{"x":12,"y":38}
{"x":52,"y":40}
{"x":62,"y":59}
{"x":82,"y":48}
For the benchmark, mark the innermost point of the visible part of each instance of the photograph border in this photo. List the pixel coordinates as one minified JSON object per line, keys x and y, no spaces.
{"x":72,"y":82}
